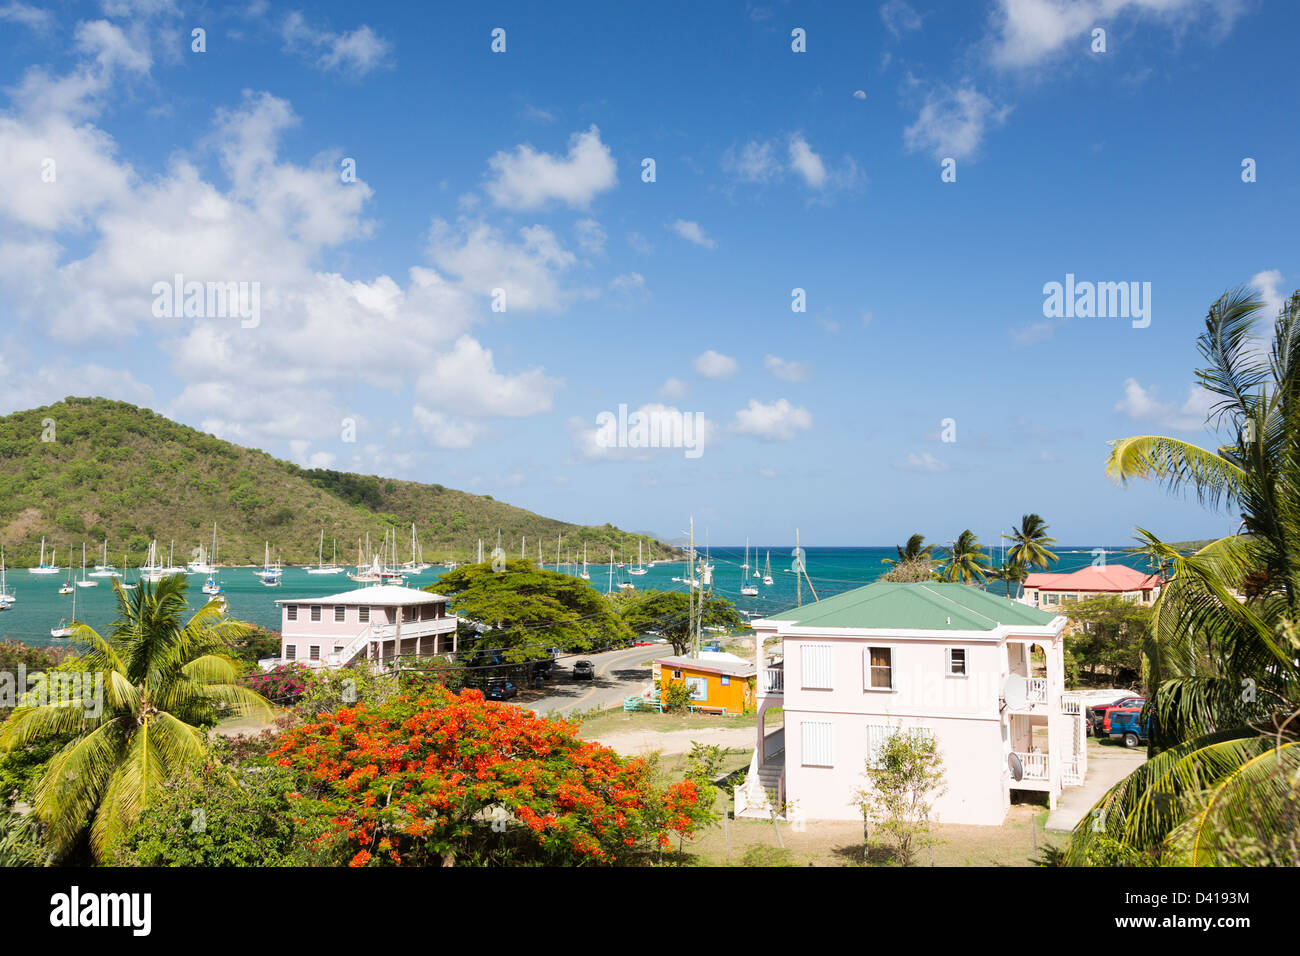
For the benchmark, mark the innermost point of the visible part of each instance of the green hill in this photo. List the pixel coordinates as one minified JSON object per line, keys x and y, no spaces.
{"x":110,"y":470}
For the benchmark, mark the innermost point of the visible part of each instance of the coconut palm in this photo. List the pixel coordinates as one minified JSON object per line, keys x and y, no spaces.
{"x":162,"y":680}
{"x":1031,"y":541}
{"x":1012,"y":571}
{"x":966,"y":560}
{"x":1222,"y":653}
{"x":915,"y":550}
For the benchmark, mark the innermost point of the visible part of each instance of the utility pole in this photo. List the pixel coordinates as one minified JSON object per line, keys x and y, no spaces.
{"x":691,"y":590}
{"x":798,"y":570}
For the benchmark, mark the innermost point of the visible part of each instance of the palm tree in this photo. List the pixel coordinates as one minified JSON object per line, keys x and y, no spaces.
{"x":1031,"y":541}
{"x":966,"y":559}
{"x":1222,"y":653}
{"x":161,"y":681}
{"x":915,"y":550}
{"x":1012,"y":571}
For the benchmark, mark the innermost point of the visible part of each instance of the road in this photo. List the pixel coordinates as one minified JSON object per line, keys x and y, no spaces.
{"x":1108,"y":764}
{"x":619,"y":674}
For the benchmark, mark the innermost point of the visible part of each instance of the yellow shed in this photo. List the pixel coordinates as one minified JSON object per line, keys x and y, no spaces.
{"x":721,"y":681}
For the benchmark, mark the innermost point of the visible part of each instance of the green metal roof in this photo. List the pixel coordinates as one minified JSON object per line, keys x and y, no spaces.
{"x":926,"y":606}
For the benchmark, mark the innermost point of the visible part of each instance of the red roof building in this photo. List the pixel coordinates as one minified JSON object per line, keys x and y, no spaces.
{"x":1116,"y":580}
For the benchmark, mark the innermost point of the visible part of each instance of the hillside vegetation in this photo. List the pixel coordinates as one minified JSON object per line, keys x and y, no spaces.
{"x":126,"y":474}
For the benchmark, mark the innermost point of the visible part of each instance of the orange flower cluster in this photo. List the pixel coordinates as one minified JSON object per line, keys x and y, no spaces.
{"x":417,"y":780}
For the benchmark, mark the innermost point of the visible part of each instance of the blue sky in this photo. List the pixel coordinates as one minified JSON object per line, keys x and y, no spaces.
{"x":774,"y":170}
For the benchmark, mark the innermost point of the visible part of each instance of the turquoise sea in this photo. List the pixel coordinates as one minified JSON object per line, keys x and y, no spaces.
{"x":39,"y":607}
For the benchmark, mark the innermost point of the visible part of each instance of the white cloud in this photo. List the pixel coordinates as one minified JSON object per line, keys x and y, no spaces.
{"x":859,"y":94}
{"x":673,"y":388}
{"x":527,"y":179}
{"x":952,"y":123}
{"x":528,"y":270}
{"x":762,"y":163}
{"x":1141,"y":405}
{"x":464,"y":379}
{"x":1027,"y":32}
{"x":713,"y":364}
{"x":28,"y":16}
{"x":591,"y":235}
{"x":357,"y":52}
{"x":1268,"y":285}
{"x":443,"y":431}
{"x":775,"y":421}
{"x":691,"y":232}
{"x":922,"y":462}
{"x":596,"y":443}
{"x":786,"y":371}
{"x":899,"y":18}
{"x":753,"y":163}
{"x":806,"y":162}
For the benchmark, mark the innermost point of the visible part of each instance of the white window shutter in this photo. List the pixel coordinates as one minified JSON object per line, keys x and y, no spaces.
{"x":815,"y":664}
{"x":877,"y":734}
{"x":818,"y":749}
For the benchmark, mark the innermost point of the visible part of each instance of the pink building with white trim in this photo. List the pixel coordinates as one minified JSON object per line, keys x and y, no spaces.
{"x":376,"y":623}
{"x":982,"y":675}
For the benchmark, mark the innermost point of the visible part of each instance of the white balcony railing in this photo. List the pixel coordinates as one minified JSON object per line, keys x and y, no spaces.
{"x":1036,"y":692}
{"x":1035,"y":765}
{"x":774,"y":682}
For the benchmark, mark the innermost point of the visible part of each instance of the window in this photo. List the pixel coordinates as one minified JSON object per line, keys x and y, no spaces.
{"x":340,"y":612}
{"x":817,"y":743}
{"x":315,"y":652}
{"x":292,"y":610}
{"x":726,"y":681}
{"x":290,"y":651}
{"x":956,"y":662}
{"x":364,"y":611}
{"x":880,"y":668}
{"x":699,"y":687}
{"x":815,"y":665}
{"x":315,"y":612}
{"x":677,"y":675}
{"x":877,"y":734}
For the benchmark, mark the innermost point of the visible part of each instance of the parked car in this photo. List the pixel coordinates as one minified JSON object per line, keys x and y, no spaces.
{"x":1096,"y":716}
{"x":584,"y":669}
{"x":1126,"y":724}
{"x":498,"y":688}
{"x":1112,"y":711}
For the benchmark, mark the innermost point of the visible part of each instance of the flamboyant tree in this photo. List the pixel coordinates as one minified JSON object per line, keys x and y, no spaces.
{"x":453,"y":778}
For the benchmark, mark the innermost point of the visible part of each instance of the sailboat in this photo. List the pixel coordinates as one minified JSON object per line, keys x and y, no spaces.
{"x":201,"y":566}
{"x":150,"y":572}
{"x":747,"y":589}
{"x":126,"y":566}
{"x":767,"y":570}
{"x":586,"y":576}
{"x":65,"y":627}
{"x":67,"y":587}
{"x":51,"y":568}
{"x":6,"y":596}
{"x":105,"y":570}
{"x":269,"y":575}
{"x":211,"y":585}
{"x":83,"y":583}
{"x":321,"y":566}
{"x":639,"y":569}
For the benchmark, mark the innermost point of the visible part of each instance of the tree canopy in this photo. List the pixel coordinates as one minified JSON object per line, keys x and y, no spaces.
{"x":525,"y":611}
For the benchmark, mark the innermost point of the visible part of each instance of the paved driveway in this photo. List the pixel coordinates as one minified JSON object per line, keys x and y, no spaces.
{"x":619,"y":674}
{"x":1108,"y":764}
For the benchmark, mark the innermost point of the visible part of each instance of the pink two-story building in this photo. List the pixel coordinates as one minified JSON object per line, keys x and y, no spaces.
{"x":376,"y":623}
{"x":980,"y":674}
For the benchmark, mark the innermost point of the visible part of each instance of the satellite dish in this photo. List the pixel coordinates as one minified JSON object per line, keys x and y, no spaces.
{"x":1017,"y":768}
{"x":1015,"y":691}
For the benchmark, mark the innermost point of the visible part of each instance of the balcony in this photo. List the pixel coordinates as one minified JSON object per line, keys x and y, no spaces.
{"x":772,"y":680}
